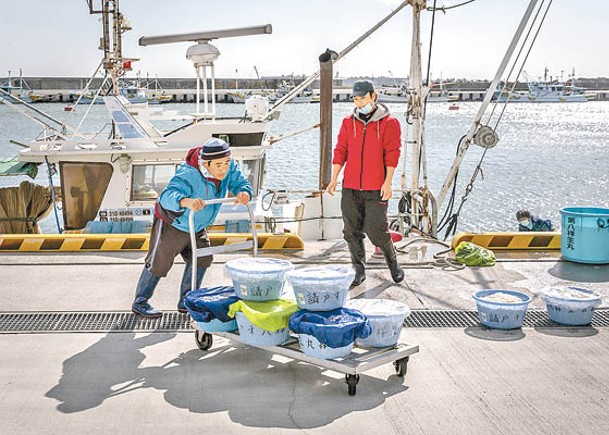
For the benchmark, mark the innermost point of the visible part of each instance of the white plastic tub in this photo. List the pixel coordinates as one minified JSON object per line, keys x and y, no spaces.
{"x":321,"y":288}
{"x":570,"y":305}
{"x":310,"y":345}
{"x":258,"y":279}
{"x":386,"y":318}
{"x":251,"y":334}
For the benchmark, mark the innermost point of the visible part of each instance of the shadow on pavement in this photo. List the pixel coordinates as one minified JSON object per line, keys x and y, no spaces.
{"x":89,"y":376}
{"x":580,"y":272}
{"x":254,"y":386}
{"x":565,"y":331}
{"x":485,"y":333}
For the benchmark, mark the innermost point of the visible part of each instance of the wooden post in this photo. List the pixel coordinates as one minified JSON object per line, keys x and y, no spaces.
{"x":325,"y":117}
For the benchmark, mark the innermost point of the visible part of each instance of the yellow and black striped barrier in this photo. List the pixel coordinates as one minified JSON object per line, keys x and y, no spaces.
{"x":131,"y":242}
{"x":525,"y":240}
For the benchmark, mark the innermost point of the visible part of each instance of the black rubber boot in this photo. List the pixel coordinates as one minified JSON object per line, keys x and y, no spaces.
{"x":358,"y":256}
{"x":391,"y":258}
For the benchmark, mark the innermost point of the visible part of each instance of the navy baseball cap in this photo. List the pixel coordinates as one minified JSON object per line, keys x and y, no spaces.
{"x":361,"y":88}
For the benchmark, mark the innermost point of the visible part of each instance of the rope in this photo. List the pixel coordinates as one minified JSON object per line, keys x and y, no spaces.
{"x":439,"y":258}
{"x":59,"y":229}
{"x":18,"y":219}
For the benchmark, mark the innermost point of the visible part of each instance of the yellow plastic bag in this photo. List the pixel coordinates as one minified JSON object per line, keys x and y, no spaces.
{"x":269,"y":315}
{"x":471,"y":254}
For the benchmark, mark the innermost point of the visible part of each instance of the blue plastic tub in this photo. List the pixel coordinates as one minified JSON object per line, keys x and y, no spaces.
{"x":321,"y":288}
{"x":310,"y":345}
{"x":570,"y":305}
{"x":386,"y":319}
{"x":507,"y":314}
{"x":258,"y":279}
{"x":216,"y":325}
{"x":585,"y":234}
{"x":251,"y":334}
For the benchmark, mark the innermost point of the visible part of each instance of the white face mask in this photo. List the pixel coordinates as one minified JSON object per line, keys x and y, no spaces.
{"x":526,"y":223}
{"x":365,"y":110}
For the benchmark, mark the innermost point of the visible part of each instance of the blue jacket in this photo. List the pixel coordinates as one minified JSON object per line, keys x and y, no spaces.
{"x":537,"y":225}
{"x":188,"y":182}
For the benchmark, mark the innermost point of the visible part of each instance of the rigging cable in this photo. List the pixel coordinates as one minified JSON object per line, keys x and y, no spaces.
{"x":543,"y":18}
{"x":445,"y":8}
{"x":452,"y":221}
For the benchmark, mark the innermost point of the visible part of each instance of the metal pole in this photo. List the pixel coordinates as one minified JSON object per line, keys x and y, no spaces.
{"x":213,"y":91}
{"x":414,"y":102}
{"x":205,"y":104}
{"x":464,"y":145}
{"x":325,"y":117}
{"x":117,"y":61}
{"x":197,"y":67}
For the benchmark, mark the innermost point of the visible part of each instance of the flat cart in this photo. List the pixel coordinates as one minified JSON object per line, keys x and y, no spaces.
{"x":360,"y":359}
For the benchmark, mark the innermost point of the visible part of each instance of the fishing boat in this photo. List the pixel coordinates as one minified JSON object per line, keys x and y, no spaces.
{"x":110,"y":180}
{"x":132,"y":92}
{"x":548,"y":90}
{"x":437,"y":93}
{"x":15,"y":92}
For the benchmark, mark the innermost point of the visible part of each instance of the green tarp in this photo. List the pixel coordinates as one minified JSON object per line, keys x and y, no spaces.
{"x":15,"y":167}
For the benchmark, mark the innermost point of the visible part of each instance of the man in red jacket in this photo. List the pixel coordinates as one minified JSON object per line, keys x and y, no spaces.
{"x":369,"y":147}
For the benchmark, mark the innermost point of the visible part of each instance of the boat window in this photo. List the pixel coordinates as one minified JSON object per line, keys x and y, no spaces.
{"x":83,"y":186}
{"x":148,"y":181}
{"x":254,"y":171}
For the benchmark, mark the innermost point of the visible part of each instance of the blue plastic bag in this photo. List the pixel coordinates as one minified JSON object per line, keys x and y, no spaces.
{"x":208,"y":303}
{"x":336,"y":328}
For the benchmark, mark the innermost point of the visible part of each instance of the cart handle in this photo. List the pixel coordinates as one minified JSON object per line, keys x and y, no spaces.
{"x":193,"y":238}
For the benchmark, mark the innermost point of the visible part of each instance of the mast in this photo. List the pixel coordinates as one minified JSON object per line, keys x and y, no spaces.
{"x":114,"y":24}
{"x":415,"y":101}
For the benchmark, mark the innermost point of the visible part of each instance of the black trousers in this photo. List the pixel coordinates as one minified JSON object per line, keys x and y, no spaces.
{"x":166,"y":242}
{"x":364,"y":213}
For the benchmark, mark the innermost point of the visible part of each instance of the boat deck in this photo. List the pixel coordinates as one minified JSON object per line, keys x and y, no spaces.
{"x":465,"y":379}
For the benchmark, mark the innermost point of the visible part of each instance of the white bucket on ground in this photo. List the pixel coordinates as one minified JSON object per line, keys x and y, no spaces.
{"x":569,"y":305}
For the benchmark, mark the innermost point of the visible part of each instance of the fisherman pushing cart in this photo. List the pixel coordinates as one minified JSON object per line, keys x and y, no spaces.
{"x":209,"y":172}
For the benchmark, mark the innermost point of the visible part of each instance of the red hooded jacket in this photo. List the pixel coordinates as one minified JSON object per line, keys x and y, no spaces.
{"x":368,"y":148}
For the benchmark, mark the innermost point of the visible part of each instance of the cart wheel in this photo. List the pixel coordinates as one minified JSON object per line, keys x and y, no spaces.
{"x":203,"y":340}
{"x":351,"y":381}
{"x":401,"y":367}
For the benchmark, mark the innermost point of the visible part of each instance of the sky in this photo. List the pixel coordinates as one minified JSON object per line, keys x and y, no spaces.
{"x":60,"y":38}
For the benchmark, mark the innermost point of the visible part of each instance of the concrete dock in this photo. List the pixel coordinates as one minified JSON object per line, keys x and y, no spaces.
{"x":472,"y":380}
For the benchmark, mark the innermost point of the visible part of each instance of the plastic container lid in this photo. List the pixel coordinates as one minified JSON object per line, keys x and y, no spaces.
{"x":322,"y":273}
{"x":379,"y":307}
{"x":570,"y":293}
{"x":258,"y":265}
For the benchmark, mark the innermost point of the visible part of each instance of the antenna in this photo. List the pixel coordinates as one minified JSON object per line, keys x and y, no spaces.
{"x":206,"y":36}
{"x":203,"y":54}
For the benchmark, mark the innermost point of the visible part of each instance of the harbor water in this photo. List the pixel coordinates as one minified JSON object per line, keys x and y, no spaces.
{"x":549,"y":156}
